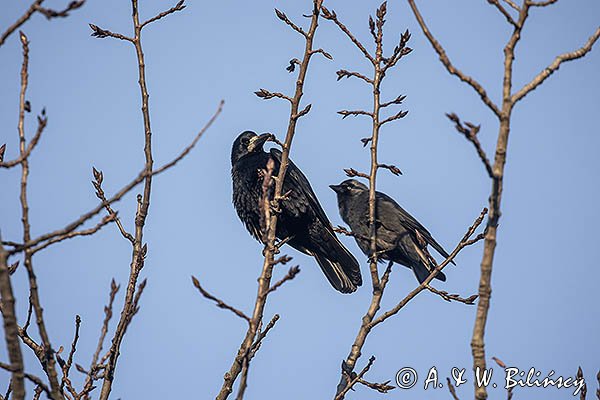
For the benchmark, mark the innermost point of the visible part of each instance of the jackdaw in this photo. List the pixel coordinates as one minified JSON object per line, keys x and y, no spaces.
{"x":400,"y":237}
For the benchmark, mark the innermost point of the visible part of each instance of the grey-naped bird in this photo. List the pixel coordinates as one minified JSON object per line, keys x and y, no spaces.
{"x":397,"y":231}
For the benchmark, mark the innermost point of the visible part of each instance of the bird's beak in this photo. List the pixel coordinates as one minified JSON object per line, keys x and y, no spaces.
{"x":257,"y":142}
{"x":336,"y":188}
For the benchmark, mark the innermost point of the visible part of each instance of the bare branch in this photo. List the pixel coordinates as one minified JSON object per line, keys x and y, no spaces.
{"x":262,"y":334}
{"x":66,"y":366}
{"x":266,"y":95}
{"x":346,"y":113}
{"x":342,"y":73}
{"x":11,"y":329}
{"x":353,"y":380}
{"x":324,"y":53}
{"x":503,"y":11}
{"x":177,"y":7}
{"x":264,"y":280}
{"x":285,"y":19}
{"x":220,"y":303}
{"x":398,"y":115}
{"x":46,"y":356}
{"x":512,"y":4}
{"x":189,"y":148}
{"x":36,"y":6}
{"x":50,"y":13}
{"x":34,"y":379}
{"x":42,"y":122}
{"x":398,"y":100}
{"x":392,"y":168}
{"x":302,"y":112}
{"x":470,"y":132}
{"x":97,"y":182}
{"x":331,"y":15}
{"x":553,"y":67}
{"x":448,"y":64}
{"x":100,"y":33}
{"x":351,"y":172}
{"x":291,"y":274}
{"x":453,"y":297}
{"x":383,"y":387}
{"x":399,"y":51}
{"x":451,"y":389}
{"x":65,"y":232}
{"x":30,"y":11}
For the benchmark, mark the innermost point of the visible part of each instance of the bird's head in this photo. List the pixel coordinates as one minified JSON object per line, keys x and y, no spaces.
{"x":350,"y":187}
{"x":246,"y":143}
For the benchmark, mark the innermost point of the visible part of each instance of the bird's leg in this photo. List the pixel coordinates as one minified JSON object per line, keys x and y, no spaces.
{"x":285,"y":196}
{"x":424,"y":252}
{"x":282,"y":242}
{"x":380,"y":253}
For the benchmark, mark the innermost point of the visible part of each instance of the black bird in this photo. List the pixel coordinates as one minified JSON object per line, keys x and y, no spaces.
{"x":397,"y":237}
{"x":302,"y":221}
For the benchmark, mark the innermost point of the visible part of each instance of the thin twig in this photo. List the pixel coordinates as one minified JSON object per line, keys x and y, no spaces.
{"x":512,"y":4}
{"x":11,"y":329}
{"x":453,"y":297}
{"x":356,"y":379}
{"x":291,"y":274}
{"x":451,"y":389}
{"x":32,"y":378}
{"x":139,"y":248}
{"x":64,"y":232}
{"x":462,"y":244}
{"x":503,"y":11}
{"x":42,"y":122}
{"x":177,"y":7}
{"x":97,"y":182}
{"x":50,"y":13}
{"x":220,"y":303}
{"x":331,"y":15}
{"x":470,"y":132}
{"x":66,"y":366}
{"x":46,"y":357}
{"x":553,"y":67}
{"x":448,"y":64}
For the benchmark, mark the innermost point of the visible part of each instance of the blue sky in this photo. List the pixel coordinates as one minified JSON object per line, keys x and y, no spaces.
{"x":544,"y":311}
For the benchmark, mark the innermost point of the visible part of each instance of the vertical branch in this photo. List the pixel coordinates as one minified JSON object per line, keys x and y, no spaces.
{"x":497,"y":169}
{"x":139,"y":249}
{"x":489,"y":247}
{"x":47,"y":357}
{"x":264,"y":281}
{"x":380,"y":66}
{"x":11,"y":330}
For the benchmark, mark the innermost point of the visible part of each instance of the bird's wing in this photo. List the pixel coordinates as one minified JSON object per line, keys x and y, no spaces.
{"x":386,"y":206}
{"x":305,"y":197}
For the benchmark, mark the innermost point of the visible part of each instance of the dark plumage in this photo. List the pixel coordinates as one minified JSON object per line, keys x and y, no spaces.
{"x":301,"y":219}
{"x":396,"y":229}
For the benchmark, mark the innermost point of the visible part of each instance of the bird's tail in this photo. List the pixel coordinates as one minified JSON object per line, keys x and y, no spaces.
{"x":422,"y":272}
{"x":338,"y":264}
{"x":424,"y":268}
{"x":337,"y":277}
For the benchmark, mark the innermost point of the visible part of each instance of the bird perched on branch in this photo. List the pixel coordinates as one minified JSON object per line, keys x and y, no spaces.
{"x":301,"y":221}
{"x":400,"y":237}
